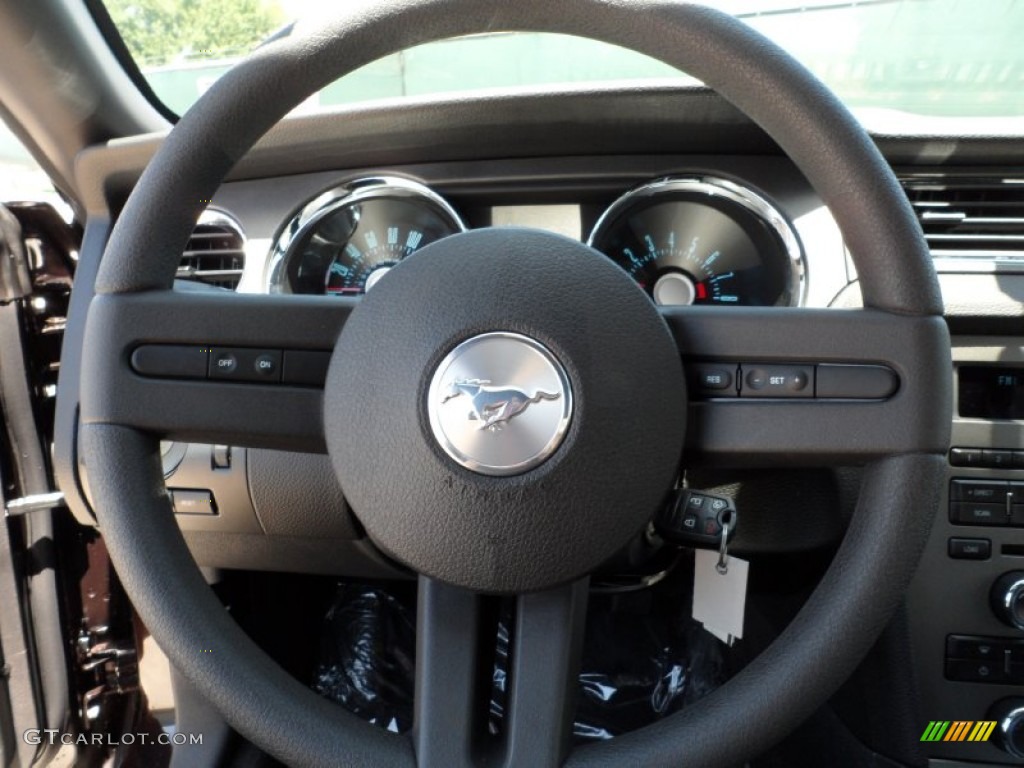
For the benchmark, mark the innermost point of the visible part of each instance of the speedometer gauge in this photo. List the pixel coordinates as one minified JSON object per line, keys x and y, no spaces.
{"x":703,"y":241}
{"x":348,"y":238}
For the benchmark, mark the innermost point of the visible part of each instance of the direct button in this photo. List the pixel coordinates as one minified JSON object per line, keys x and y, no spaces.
{"x":983,"y":491}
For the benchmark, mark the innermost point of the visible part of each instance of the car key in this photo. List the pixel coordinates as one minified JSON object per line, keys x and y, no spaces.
{"x":706,"y":522}
{"x":697,"y":519}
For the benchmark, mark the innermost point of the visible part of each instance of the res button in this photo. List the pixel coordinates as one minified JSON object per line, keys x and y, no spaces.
{"x":713,"y":380}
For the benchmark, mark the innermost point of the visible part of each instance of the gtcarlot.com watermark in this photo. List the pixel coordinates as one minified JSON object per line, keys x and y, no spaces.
{"x":36,"y":736}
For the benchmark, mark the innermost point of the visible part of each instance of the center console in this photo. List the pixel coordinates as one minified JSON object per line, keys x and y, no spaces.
{"x":967,"y":601}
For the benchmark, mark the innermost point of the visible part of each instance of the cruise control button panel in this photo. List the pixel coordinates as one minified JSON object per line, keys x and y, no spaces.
{"x":240,"y":364}
{"x":712,"y":380}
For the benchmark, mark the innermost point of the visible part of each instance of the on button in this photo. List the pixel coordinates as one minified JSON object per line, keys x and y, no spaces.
{"x":266,"y":364}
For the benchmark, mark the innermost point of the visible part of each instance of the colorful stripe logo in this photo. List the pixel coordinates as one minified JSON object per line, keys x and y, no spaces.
{"x":958,"y":730}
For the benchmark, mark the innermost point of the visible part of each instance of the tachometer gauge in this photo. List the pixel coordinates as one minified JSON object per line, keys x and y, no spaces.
{"x":703,"y":241}
{"x":349,"y":237}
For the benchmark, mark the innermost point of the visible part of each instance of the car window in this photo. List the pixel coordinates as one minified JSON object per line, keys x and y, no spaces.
{"x":21,"y":178}
{"x":885,"y":58}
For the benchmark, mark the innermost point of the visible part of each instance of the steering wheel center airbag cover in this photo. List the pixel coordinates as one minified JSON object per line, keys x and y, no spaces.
{"x":525,"y":527}
{"x":499,"y":404}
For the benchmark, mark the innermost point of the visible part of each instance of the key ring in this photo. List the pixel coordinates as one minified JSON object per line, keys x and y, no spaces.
{"x":723,"y":547}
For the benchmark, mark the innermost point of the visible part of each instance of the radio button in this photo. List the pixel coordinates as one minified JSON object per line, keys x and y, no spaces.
{"x":983,"y":491}
{"x":970,"y":549}
{"x":997,"y":459}
{"x":965,"y":457}
{"x":971,"y":513}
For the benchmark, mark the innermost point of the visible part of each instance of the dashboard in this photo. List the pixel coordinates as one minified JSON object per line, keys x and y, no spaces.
{"x":698,"y":206}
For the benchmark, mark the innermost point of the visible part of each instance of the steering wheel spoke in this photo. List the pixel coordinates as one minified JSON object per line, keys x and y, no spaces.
{"x":813,"y":429}
{"x":156,"y":368}
{"x":455,"y":666}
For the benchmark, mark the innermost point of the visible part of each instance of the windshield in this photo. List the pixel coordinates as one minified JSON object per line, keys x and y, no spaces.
{"x":890,"y":60}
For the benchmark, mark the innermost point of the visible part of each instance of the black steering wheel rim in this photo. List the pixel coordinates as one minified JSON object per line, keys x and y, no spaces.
{"x":844,"y":615}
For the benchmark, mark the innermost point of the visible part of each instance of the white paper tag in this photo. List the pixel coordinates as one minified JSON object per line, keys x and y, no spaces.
{"x":719,"y":598}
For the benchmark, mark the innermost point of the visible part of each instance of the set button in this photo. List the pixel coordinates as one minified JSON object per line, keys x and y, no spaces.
{"x":778,"y":381}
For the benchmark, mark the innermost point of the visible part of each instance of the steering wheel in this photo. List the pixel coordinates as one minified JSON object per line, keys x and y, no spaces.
{"x":576,"y":472}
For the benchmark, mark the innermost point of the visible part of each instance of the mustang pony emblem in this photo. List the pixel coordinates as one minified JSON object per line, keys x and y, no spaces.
{"x":495,"y":406}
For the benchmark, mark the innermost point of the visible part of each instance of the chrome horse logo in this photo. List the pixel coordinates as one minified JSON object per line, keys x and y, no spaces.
{"x":494,"y":407}
{"x":532,"y":382}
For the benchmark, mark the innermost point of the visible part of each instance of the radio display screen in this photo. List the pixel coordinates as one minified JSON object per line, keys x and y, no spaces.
{"x":991,"y":392}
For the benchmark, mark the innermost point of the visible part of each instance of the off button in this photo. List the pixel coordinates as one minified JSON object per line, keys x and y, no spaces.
{"x":223,"y":363}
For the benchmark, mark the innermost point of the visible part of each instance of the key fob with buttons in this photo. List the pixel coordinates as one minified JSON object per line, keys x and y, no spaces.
{"x":697,"y":519}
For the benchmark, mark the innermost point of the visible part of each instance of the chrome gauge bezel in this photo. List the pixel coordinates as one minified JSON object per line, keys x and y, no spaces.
{"x":720,"y":188}
{"x":292,"y":235}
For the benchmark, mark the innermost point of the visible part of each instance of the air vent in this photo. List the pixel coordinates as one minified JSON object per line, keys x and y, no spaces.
{"x":971,"y":223}
{"x":215,"y":253}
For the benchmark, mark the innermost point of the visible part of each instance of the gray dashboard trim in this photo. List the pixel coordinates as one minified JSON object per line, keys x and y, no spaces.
{"x":641,"y":119}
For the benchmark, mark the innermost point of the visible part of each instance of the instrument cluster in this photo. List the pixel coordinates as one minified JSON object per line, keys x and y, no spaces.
{"x":684,"y":239}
